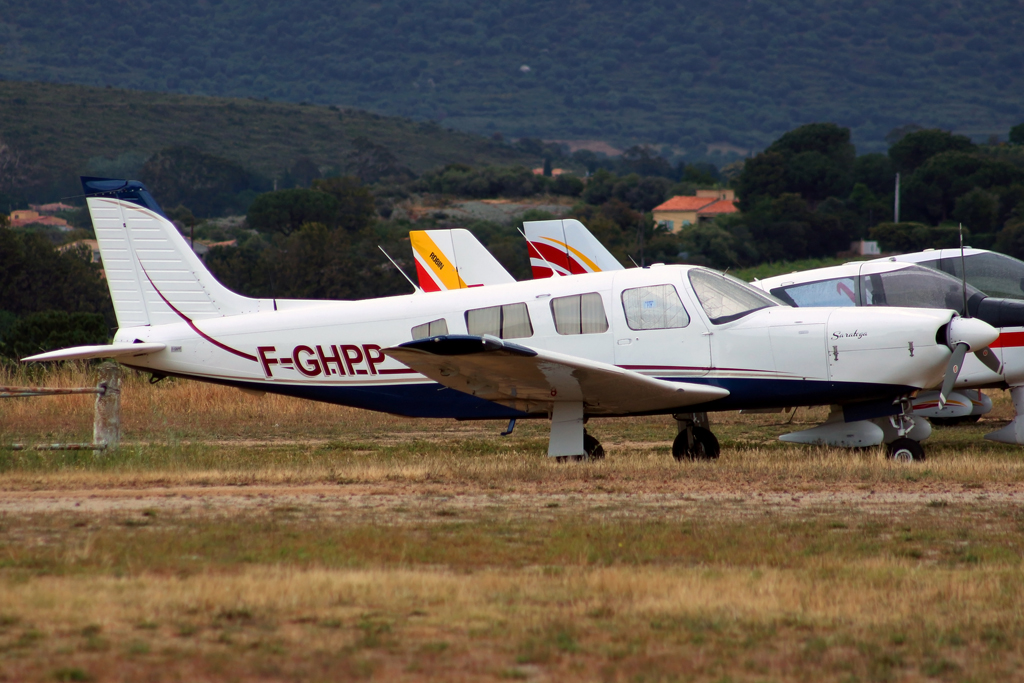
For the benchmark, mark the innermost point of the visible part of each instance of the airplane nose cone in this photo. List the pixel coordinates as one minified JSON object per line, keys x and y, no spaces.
{"x":977,"y":334}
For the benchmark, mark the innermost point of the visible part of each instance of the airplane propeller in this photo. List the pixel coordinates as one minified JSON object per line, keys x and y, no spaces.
{"x":990,"y":360}
{"x":963,"y":335}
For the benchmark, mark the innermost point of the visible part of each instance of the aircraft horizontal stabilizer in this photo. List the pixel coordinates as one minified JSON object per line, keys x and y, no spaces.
{"x":100,"y":351}
{"x":530,"y":379}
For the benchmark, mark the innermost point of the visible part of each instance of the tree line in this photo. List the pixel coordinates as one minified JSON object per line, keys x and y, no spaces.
{"x":807,"y":195}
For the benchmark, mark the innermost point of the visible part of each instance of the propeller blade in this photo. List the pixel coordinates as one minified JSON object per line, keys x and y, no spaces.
{"x":990,"y":360}
{"x":956,"y":362}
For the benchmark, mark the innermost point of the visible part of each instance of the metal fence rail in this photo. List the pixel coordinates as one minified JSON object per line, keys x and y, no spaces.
{"x":106,"y":425}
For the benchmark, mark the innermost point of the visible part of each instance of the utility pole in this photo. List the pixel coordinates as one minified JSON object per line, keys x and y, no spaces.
{"x":896,"y":208}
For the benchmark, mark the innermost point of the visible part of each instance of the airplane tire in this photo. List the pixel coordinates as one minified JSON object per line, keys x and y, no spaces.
{"x":593,"y":448}
{"x":705,"y":445}
{"x":953,"y":421}
{"x":905,"y":450}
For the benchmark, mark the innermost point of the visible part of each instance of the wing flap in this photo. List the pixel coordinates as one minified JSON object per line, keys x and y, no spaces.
{"x":528,"y":379}
{"x":101,"y":351}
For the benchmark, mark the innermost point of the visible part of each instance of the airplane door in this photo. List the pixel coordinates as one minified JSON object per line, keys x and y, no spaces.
{"x":657,"y":330}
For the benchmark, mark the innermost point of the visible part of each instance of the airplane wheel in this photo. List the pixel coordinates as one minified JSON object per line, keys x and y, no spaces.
{"x":593,"y":447}
{"x":594,"y":451}
{"x":705,"y":445}
{"x":953,"y":421}
{"x":905,"y":450}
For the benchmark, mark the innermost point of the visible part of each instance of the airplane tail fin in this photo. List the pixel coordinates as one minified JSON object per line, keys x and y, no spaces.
{"x":454,"y":259}
{"x":154,"y":276}
{"x":566,"y":247}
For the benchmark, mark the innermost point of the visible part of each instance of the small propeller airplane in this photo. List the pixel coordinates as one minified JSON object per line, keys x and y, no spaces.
{"x":673,"y":340}
{"x":898,"y":281}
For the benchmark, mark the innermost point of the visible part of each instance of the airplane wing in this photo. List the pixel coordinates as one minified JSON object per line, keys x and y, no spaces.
{"x":529,"y":379}
{"x":454,"y":259}
{"x":101,"y":351}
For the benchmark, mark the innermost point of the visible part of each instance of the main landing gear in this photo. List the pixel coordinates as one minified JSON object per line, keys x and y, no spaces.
{"x":594,"y":451}
{"x":694,"y":440}
{"x":569,"y":441}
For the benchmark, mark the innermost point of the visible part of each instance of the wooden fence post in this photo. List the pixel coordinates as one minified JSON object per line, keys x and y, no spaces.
{"x":106,"y":426}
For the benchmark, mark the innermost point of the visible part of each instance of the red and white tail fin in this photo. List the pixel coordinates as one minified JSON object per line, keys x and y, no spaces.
{"x":565,"y":247}
{"x":154,"y":276}
{"x":454,"y":259}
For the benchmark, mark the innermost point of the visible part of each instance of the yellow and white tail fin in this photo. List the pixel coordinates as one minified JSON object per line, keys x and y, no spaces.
{"x":565,"y":247}
{"x":154,"y":276}
{"x":454,"y":259}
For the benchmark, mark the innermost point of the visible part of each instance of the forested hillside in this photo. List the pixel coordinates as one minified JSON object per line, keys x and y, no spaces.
{"x":683,"y":74}
{"x":50,"y":134}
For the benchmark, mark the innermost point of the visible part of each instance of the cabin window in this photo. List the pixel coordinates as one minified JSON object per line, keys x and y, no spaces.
{"x":579,"y":314}
{"x":511,"y":321}
{"x":840,"y":291}
{"x":916,"y":287}
{"x":654,"y":308}
{"x":725,"y":298}
{"x":435,"y":328}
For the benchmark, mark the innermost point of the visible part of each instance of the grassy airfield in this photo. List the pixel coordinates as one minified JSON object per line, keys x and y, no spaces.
{"x":236,"y":537}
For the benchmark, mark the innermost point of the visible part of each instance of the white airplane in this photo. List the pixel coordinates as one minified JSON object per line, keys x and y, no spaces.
{"x":892,"y":282}
{"x":993,"y":273}
{"x":673,"y":340}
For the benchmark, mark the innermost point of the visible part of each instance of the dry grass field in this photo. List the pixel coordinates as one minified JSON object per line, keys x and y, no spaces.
{"x":236,"y":537}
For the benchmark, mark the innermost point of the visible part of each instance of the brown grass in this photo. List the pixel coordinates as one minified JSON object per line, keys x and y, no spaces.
{"x":245,"y":538}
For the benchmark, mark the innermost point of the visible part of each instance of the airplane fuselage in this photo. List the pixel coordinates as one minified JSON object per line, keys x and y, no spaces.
{"x":775,"y":356}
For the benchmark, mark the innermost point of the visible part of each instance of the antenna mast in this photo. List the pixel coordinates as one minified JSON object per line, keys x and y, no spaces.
{"x":399,"y":269}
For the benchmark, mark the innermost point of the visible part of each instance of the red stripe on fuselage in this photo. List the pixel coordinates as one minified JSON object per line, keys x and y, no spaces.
{"x":1007,"y":340}
{"x":191,"y":324}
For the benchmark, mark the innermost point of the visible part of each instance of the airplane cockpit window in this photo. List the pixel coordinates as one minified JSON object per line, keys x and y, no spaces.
{"x":435,"y":328}
{"x":656,"y":307}
{"x":724,"y":298}
{"x":840,"y":291}
{"x":511,"y":321}
{"x":915,"y":287}
{"x":579,"y":314}
{"x":994,"y":274}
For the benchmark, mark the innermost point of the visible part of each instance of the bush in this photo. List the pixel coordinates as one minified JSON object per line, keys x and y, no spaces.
{"x":50,"y":330}
{"x":905,"y":237}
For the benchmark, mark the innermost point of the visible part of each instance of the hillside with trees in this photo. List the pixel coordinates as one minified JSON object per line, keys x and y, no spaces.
{"x":804,"y":198}
{"x":50,"y":134}
{"x":736,"y":73}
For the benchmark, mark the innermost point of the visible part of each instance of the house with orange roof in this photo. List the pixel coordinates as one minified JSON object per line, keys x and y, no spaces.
{"x":25,"y":217}
{"x":678,"y":212}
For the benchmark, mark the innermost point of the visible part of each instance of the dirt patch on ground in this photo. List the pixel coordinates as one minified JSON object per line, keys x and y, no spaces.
{"x":416,"y":502}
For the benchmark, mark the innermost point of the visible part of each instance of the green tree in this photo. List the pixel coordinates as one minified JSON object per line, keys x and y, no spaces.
{"x":355,"y":203}
{"x":786,"y":228}
{"x":977,"y":209}
{"x":50,"y":330}
{"x":567,"y":185}
{"x":932,"y":190}
{"x":827,"y":139}
{"x":876,"y":172}
{"x":207,"y":184}
{"x":1016,"y":136}
{"x":599,"y":187}
{"x":915,"y":148}
{"x":35,"y":276}
{"x":1010,"y":240}
{"x":763,"y":176}
{"x":285,"y":211}
{"x":910,"y":236}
